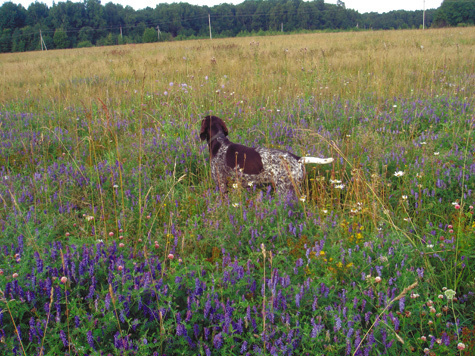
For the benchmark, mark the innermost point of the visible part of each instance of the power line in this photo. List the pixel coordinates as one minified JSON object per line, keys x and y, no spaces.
{"x":183,"y":20}
{"x":151,"y":23}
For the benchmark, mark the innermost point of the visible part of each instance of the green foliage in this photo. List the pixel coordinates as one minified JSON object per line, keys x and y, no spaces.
{"x":455,"y":13}
{"x":61,"y":39}
{"x":109,"y":40}
{"x":86,"y":34}
{"x":88,"y":21}
{"x":150,"y":35}
{"x":83,"y":44}
{"x":12,"y":16}
{"x":6,"y":40}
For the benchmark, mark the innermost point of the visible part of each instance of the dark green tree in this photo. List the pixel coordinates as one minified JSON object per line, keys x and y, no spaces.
{"x":455,"y":12}
{"x":95,"y":18}
{"x":223,"y":19}
{"x":60,"y":39}
{"x":113,"y":15}
{"x":12,"y":16}
{"x":150,"y":35}
{"x":67,"y":15}
{"x":37,"y":13}
{"x":70,"y":24}
{"x":276,"y":17}
{"x":6,"y":40}
{"x":290,"y":15}
{"x":304,"y":16}
{"x":244,"y":14}
{"x":26,"y":39}
{"x":86,"y":33}
{"x":18,"y":42}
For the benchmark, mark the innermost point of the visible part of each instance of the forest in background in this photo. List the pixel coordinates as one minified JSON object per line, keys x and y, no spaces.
{"x":89,"y":23}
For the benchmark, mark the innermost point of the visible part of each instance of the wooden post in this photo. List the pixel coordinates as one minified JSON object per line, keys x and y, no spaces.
{"x":42,"y":42}
{"x":209,"y":22}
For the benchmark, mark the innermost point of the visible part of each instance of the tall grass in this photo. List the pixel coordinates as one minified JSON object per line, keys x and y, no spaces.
{"x":106,"y":197}
{"x":356,"y":66}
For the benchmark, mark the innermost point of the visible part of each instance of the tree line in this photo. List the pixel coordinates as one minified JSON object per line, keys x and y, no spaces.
{"x":72,"y":24}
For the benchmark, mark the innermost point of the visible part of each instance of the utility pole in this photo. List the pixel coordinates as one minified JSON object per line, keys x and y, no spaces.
{"x":281,"y":27}
{"x":120,"y":31}
{"x":209,"y":22}
{"x":424,"y":15}
{"x":42,"y":42}
{"x":158,"y":31}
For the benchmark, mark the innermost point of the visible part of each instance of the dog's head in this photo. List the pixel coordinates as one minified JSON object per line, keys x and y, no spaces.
{"x":212,"y":125}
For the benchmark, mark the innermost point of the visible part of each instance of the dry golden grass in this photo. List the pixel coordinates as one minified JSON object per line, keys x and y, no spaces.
{"x":355,"y":66}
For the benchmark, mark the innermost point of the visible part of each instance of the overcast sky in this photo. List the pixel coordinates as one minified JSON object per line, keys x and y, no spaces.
{"x":359,"y":5}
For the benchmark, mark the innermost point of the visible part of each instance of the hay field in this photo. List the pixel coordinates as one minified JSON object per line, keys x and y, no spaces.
{"x":356,"y":66}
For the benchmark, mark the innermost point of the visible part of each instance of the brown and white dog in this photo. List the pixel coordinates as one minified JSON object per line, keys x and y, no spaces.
{"x":234,"y":162}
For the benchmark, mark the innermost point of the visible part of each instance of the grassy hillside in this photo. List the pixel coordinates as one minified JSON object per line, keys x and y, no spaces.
{"x":114,"y":239}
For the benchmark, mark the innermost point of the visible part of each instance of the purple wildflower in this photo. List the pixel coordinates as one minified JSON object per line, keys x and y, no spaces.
{"x":402,"y":304}
{"x":239,"y":327}
{"x":207,"y":307}
{"x":117,"y":341}
{"x":32,"y":332}
{"x":63,"y":337}
{"x":350,"y":333}
{"x":181,"y":330}
{"x":218,"y":341}
{"x":420,"y":272}
{"x":367,"y":316}
{"x":20,"y":244}
{"x":445,"y":339}
{"x":314,"y":332}
{"x":90,"y":295}
{"x":39,"y":263}
{"x":315,"y":303}
{"x":337,"y":323}
{"x":348,"y":348}
{"x":107,"y":301}
{"x":90,"y":339}
{"x":244,"y":347}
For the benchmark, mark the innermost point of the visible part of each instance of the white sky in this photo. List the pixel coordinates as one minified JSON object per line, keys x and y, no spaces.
{"x":360,"y":5}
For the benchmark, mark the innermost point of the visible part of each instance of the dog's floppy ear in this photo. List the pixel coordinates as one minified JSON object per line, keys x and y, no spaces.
{"x":204,"y":132}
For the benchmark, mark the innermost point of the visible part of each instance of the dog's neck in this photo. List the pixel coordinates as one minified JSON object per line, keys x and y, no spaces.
{"x":214,"y":144}
{"x":214,"y":137}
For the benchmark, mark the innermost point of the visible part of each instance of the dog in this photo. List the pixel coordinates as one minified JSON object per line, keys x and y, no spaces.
{"x":234,"y":162}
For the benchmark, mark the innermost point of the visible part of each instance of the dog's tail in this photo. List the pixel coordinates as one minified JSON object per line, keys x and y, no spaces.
{"x":316,"y":160}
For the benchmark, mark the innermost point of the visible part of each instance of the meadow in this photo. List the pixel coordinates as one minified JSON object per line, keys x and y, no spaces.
{"x":115,"y":241}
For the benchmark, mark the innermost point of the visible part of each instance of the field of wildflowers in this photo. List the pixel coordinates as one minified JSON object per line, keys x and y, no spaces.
{"x":115,"y":241}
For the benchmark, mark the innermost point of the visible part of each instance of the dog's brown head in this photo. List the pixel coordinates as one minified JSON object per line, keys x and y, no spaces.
{"x":211,"y":126}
